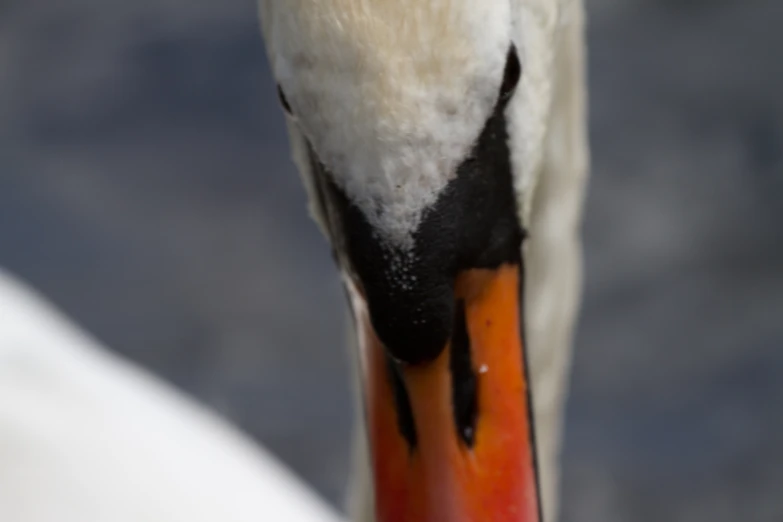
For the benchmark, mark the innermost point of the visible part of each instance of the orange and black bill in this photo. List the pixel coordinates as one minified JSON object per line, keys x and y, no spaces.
{"x":452,"y":438}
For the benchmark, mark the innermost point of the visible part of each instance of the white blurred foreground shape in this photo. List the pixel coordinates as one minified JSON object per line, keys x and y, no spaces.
{"x":87,"y":437}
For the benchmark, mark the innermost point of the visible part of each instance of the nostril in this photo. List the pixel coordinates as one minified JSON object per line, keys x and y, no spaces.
{"x":402,"y":402}
{"x":463,"y":379}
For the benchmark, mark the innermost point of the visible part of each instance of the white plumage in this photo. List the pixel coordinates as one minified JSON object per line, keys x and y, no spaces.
{"x":88,"y":437}
{"x":391,"y":94}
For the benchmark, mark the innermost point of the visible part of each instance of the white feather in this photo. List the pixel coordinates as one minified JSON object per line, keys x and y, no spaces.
{"x":88,"y":437}
{"x":391,"y":94}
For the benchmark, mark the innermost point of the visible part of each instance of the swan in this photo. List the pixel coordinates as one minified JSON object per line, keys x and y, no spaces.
{"x":86,"y":436}
{"x":443,"y":147}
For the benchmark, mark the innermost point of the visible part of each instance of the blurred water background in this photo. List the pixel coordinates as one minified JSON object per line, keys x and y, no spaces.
{"x":146,"y":188}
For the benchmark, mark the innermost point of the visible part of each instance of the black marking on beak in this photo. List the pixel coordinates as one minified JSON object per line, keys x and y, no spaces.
{"x":402,"y":404}
{"x":463,"y":379}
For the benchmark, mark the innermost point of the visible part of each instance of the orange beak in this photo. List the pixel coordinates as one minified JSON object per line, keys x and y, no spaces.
{"x":452,"y":439}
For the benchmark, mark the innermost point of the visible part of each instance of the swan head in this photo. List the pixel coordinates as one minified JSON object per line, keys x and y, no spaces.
{"x":401,"y":115}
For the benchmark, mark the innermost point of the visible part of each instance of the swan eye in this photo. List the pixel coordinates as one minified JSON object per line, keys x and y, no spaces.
{"x":511,"y":74}
{"x":284,"y":101}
